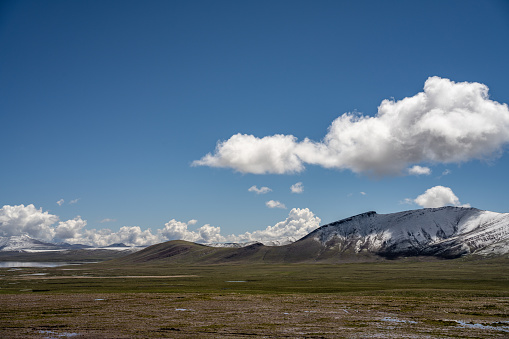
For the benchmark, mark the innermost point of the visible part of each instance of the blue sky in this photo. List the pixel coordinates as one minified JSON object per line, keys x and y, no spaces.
{"x":108,"y":104}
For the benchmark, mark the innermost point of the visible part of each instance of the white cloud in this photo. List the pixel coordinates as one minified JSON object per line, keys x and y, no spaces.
{"x":248,"y":154}
{"x":210,"y":234}
{"x":275,"y":204}
{"x":438,"y":196}
{"x":129,"y":235}
{"x":192,"y":222}
{"x":261,"y":190}
{"x":448,"y":122}
{"x":132,"y":235}
{"x":177,"y":230}
{"x":21,"y":219}
{"x":73,"y":201}
{"x":60,"y":202}
{"x":363,"y":193}
{"x":69,"y":229}
{"x":298,"y":224}
{"x":418,"y":170}
{"x":407,"y":201}
{"x":446,"y":172}
{"x":107,"y":220}
{"x":297,"y":188}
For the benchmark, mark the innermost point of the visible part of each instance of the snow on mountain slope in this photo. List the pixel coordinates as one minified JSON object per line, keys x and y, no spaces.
{"x":23,"y":242}
{"x":446,"y":232}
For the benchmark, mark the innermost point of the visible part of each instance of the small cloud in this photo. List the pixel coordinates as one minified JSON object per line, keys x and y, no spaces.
{"x":438,"y":196}
{"x":192,"y":222}
{"x":60,"y":202}
{"x":297,"y":188}
{"x":261,"y":190}
{"x":349,"y":194}
{"x":275,"y":204}
{"x":363,"y":193}
{"x":419,"y":170}
{"x":107,"y":220}
{"x":72,"y":202}
{"x":407,"y":201}
{"x":444,"y":173}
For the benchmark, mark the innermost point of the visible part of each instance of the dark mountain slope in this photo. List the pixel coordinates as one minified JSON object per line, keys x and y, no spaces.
{"x":447,"y":232}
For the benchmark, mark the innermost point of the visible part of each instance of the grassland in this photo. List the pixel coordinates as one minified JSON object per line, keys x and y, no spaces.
{"x":462,"y":298}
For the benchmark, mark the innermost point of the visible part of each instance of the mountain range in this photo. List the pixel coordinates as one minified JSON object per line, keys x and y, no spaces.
{"x":446,"y":232}
{"x":25,"y":243}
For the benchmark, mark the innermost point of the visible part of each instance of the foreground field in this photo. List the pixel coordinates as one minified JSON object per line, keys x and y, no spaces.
{"x":398,"y":299}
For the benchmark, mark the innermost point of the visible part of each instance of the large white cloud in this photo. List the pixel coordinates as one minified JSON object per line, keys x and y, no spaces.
{"x":21,"y":219}
{"x":438,"y":196}
{"x":249,"y":154}
{"x":448,"y":122}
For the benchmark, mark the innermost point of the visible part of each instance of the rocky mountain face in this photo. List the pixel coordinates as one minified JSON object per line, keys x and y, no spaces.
{"x":445,"y":232}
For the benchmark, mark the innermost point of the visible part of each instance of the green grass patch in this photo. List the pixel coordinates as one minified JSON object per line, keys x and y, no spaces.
{"x":445,"y":278}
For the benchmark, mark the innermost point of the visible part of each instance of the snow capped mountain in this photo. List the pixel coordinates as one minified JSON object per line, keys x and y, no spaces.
{"x":445,"y":232}
{"x":24,"y":242}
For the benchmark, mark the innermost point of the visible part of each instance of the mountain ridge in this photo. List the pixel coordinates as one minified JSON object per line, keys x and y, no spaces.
{"x":445,"y":232}
{"x":25,"y":243}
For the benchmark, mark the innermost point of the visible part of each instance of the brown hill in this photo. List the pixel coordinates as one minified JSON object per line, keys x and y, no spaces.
{"x":183,"y":252}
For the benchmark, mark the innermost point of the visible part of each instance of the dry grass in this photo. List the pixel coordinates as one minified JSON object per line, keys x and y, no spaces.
{"x":196,"y":315}
{"x":398,"y":299}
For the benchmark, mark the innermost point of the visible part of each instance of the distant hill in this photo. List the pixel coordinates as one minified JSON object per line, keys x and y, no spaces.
{"x":25,"y":248}
{"x":24,"y":242}
{"x":447,"y":232}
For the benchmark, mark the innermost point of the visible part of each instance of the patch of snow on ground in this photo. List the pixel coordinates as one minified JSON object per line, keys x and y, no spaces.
{"x":485,"y":327}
